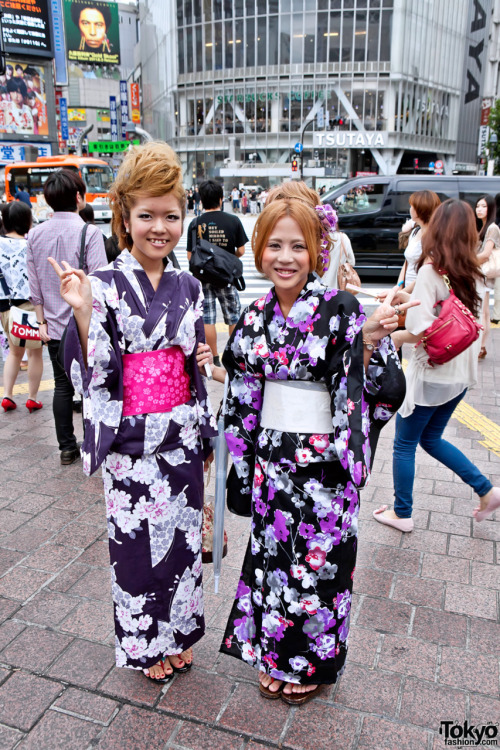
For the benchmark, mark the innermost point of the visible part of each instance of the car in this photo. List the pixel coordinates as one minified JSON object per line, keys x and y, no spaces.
{"x":371,"y":211}
{"x":102,"y":210}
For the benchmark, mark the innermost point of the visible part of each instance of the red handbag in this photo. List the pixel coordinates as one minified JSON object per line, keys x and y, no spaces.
{"x":453,"y":332}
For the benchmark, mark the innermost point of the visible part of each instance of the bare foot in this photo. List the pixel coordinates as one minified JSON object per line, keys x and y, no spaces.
{"x":292,"y":687}
{"x":269,"y":682}
{"x":159,"y":671}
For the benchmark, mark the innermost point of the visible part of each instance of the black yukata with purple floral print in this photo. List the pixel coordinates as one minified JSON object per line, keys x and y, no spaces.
{"x":291,"y":614}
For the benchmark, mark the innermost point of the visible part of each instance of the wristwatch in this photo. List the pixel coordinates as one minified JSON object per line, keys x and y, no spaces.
{"x":370,"y":345}
{"x":41,"y":322}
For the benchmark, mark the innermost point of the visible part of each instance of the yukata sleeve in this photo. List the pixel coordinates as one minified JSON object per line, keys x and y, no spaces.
{"x":360,"y":402}
{"x":100,"y":381}
{"x":206,"y":417}
{"x":244,"y":402}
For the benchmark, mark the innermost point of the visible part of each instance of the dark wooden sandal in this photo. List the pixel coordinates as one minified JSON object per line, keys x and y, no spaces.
{"x":271,"y":695}
{"x":298,"y":699}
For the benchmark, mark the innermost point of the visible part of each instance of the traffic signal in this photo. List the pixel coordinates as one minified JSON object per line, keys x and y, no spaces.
{"x":338,"y":121}
{"x":295,"y":165}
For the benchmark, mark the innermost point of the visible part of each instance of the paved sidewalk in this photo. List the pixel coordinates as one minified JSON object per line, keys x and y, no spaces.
{"x":425,"y":627}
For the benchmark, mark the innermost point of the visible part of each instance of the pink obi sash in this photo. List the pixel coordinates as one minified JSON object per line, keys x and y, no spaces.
{"x":154,"y":382}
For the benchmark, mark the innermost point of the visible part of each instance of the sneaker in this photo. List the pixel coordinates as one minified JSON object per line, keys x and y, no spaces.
{"x":496,"y":322}
{"x":70,"y":456}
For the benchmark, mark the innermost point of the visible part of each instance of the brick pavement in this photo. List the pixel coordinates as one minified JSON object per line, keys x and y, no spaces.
{"x":424,"y":638}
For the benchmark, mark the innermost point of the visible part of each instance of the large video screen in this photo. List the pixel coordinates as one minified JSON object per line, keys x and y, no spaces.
{"x":26,"y":28}
{"x":23,"y":99}
{"x":92,"y":32}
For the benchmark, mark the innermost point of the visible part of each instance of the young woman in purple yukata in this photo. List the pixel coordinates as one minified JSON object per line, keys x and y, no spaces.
{"x":312,"y":382}
{"x":130,"y":351}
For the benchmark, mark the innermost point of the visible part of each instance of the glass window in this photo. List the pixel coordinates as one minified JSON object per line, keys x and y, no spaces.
{"x":261,"y":7}
{"x":229,"y":43}
{"x":199,"y":47}
{"x":217,"y":9}
{"x":209,"y":47}
{"x":322,"y":37}
{"x":189,"y":50}
{"x":228,"y":8}
{"x":297,"y":37}
{"x":360,"y":37}
{"x":347,"y":29}
{"x":405,"y":188}
{"x":334,"y":38}
{"x":238,"y":8}
{"x":180,"y":45}
{"x":218,"y":45}
{"x":250,"y":7}
{"x":296,"y":112}
{"x":385,"y":37}
{"x":360,"y":200}
{"x":207,"y":10}
{"x":309,"y":37}
{"x":250,"y":42}
{"x":197,"y":11}
{"x":274,"y":6}
{"x":97,"y":179}
{"x":285,"y":40}
{"x":188,"y":11}
{"x":273,"y":40}
{"x":373,"y":34}
{"x":261,"y":41}
{"x":179,"y":14}
{"x":239,"y":46}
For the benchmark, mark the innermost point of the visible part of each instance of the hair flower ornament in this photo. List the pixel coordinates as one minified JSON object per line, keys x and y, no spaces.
{"x":329,"y":221}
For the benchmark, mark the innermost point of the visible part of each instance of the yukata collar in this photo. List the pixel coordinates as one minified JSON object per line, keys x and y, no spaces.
{"x":272,"y":298}
{"x":127,"y":260}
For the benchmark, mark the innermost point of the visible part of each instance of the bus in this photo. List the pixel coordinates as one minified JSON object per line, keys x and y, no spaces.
{"x":96,"y":174}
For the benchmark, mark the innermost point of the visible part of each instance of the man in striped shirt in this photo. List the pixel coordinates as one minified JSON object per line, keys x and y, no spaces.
{"x":60,"y":238}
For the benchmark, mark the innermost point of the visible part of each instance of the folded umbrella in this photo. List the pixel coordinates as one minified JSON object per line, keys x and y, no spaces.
{"x":221,"y":462}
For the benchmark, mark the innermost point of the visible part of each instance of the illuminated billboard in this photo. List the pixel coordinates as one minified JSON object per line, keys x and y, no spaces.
{"x":26,"y":28}
{"x":23,"y":99}
{"x":92,"y":32}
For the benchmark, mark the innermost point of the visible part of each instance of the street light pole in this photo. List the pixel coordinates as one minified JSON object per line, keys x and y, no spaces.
{"x":311,"y":122}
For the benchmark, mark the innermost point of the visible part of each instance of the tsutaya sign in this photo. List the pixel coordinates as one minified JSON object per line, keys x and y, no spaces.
{"x":350,"y":139}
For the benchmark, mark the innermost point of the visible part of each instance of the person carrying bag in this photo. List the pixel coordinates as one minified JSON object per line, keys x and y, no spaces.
{"x":211,"y":264}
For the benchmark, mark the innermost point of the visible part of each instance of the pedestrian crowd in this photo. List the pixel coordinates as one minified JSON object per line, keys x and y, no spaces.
{"x":310,"y":381}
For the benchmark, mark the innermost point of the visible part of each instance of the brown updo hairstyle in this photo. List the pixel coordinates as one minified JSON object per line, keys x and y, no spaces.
{"x":424,"y":203}
{"x":150,"y":170}
{"x":296,"y":200}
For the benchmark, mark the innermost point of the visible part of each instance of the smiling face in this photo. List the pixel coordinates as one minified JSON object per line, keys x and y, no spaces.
{"x":155,"y":225}
{"x":92,"y":27}
{"x":481,"y":209}
{"x":286,"y":260}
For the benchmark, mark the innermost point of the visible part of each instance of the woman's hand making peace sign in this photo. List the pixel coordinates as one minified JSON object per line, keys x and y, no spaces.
{"x":76,"y":290}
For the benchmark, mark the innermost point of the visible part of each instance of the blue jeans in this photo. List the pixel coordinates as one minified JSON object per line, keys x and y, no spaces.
{"x":426,"y":426}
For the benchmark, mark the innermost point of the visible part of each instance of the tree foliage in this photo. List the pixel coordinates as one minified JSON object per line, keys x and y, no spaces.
{"x":494,"y":125}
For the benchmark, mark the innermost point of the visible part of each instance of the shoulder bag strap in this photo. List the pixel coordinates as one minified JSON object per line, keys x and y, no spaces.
{"x":342,"y":249}
{"x":4,"y":285}
{"x":82,"y":246}
{"x":193,"y":234}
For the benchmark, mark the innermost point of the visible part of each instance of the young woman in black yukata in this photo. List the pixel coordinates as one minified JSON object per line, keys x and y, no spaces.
{"x":312,"y":382}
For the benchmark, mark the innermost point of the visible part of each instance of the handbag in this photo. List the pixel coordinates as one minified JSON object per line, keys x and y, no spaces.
{"x":453,"y":332}
{"x":212,"y":264}
{"x":23,"y":328}
{"x":346,"y":273}
{"x":491,"y":268}
{"x":62,"y":343}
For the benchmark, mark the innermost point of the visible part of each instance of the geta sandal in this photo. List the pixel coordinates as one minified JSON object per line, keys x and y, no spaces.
{"x":160,"y":680}
{"x":271,"y":695}
{"x":298,"y":699}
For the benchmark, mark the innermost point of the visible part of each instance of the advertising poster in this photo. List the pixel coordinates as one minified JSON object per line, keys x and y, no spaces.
{"x":135,"y":102}
{"x":113,"y":114}
{"x":77,"y":115}
{"x":124,"y":107}
{"x":92,"y":32}
{"x":25,"y":27}
{"x":23,"y":100}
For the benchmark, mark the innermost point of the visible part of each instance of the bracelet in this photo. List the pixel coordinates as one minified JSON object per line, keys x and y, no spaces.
{"x":370,"y":345}
{"x":41,"y":322}
{"x":401,"y":283}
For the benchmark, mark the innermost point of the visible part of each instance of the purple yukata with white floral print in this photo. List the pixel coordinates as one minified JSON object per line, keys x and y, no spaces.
{"x":152,"y":464}
{"x":291,"y":614}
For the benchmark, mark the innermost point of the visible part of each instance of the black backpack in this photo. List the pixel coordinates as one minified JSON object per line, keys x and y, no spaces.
{"x":212,"y":264}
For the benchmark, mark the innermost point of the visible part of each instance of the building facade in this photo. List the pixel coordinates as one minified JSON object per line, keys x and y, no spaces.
{"x":363,"y":85}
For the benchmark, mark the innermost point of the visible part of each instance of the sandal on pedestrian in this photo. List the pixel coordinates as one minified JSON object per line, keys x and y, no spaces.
{"x":161,"y":680}
{"x":482,"y":353}
{"x":493,"y":503}
{"x":187,"y":664}
{"x":271,"y":695}
{"x":8,"y":404}
{"x":298,"y":699}
{"x":401,"y":524}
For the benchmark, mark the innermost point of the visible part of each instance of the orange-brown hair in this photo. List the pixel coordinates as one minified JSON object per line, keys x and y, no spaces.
{"x":294,"y":189}
{"x":450,"y":244}
{"x":425,"y":203}
{"x":153,"y":170}
{"x":307,"y":219}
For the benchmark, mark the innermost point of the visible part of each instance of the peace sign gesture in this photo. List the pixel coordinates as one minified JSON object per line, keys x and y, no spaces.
{"x":75,"y":289}
{"x":384,"y":319}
